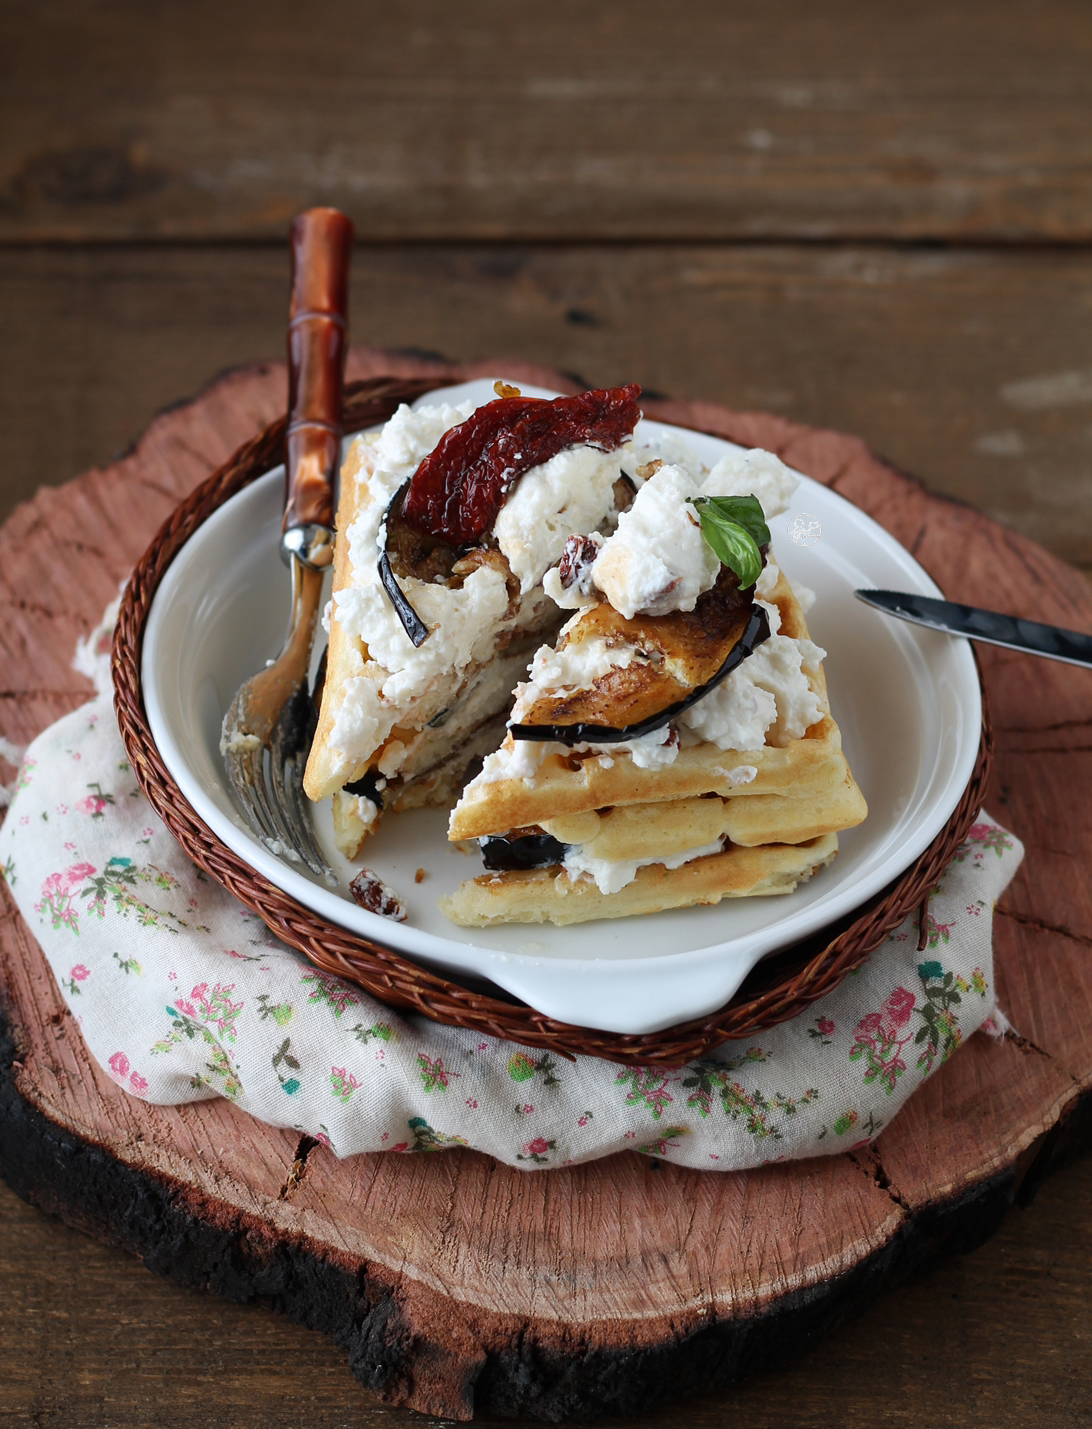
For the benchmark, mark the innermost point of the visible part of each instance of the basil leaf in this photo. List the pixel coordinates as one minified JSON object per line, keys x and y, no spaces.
{"x":733,"y":544}
{"x":745,"y":511}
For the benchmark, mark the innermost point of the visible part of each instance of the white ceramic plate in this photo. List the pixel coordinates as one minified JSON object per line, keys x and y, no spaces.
{"x":907,"y":701}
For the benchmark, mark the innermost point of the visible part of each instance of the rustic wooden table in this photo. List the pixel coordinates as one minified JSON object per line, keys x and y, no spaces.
{"x":876,"y":220}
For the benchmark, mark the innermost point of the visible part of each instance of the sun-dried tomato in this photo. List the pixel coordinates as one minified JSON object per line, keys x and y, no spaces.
{"x":578,"y":555}
{"x":456,"y":492}
{"x":369,"y":890}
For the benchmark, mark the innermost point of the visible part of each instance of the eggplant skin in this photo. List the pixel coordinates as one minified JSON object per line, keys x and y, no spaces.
{"x":412,"y":623}
{"x":501,"y":854}
{"x":637,"y":690}
{"x":367,"y":788}
{"x":408,"y":554}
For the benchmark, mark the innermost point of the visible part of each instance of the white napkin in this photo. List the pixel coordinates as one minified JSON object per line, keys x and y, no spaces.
{"x":182,"y":994}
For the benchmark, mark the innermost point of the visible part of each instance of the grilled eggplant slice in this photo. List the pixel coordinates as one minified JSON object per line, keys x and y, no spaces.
{"x":520,"y":850}
{"x":682,"y":656}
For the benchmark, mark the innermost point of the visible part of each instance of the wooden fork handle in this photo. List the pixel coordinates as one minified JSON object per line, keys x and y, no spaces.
{"x":322,"y":241}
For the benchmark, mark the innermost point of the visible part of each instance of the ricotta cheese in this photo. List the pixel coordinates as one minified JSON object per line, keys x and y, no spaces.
{"x":522,"y":758}
{"x":753,"y":473}
{"x":611,"y":877}
{"x":570,"y":493}
{"x":765,"y":700}
{"x":574,"y":490}
{"x":657,"y":561}
{"x":647,"y":446}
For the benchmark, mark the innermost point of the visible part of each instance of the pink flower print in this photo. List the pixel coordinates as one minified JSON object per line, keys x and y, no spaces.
{"x":538,"y":1147}
{"x":987,"y":836}
{"x":94,"y":805}
{"x":62,"y":809}
{"x":899,"y":1006}
{"x":824,"y":1026}
{"x":385,"y":1136}
{"x":582,"y":1121}
{"x":76,"y":754}
{"x":401,"y":1146}
{"x":214,"y":1008}
{"x":630,"y":1136}
{"x":483,"y":1046}
{"x":433,"y":1072}
{"x":80,"y":973}
{"x":120,"y":1071}
{"x":337,"y":995}
{"x":648,"y":1085}
{"x":527,"y":1108}
{"x":323,"y":1140}
{"x":24,"y":821}
{"x":70,"y":848}
{"x":937,"y":933}
{"x":57,"y":893}
{"x":343,"y":1083}
{"x":472,"y":1104}
{"x":880,"y":1038}
{"x":147,"y":833}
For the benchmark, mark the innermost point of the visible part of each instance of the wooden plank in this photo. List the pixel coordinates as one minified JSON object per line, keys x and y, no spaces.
{"x":90,"y":1338}
{"x":969,"y":368}
{"x":423,"y":121}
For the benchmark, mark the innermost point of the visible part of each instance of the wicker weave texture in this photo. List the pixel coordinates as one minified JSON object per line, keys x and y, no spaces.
{"x":778,"y":989}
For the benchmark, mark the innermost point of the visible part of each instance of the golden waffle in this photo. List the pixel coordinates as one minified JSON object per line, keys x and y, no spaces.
{"x":660,"y":830}
{"x":778,"y":809}
{"x":546,"y":895}
{"x":813,"y":767}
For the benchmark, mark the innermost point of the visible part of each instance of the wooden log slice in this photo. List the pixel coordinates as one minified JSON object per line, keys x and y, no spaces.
{"x":455,"y":1284}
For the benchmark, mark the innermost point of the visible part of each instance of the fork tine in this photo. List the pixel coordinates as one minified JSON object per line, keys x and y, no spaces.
{"x":246,"y":770}
{"x":300,"y":819}
{"x":287,"y":779}
{"x":271,"y":805}
{"x":266,"y":737}
{"x":289,"y":743}
{"x":244,"y":767}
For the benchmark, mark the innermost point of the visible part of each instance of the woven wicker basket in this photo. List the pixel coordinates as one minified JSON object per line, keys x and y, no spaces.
{"x":777,"y":989}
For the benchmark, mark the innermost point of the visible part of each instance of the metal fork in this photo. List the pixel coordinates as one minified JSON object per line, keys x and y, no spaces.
{"x":269,"y":726}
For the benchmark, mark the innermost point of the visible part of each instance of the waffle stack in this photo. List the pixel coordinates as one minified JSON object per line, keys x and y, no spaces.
{"x":673,"y":745}
{"x":777,"y":812}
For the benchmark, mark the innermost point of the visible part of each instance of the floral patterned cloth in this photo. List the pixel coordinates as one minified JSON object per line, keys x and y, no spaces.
{"x":182,"y":994}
